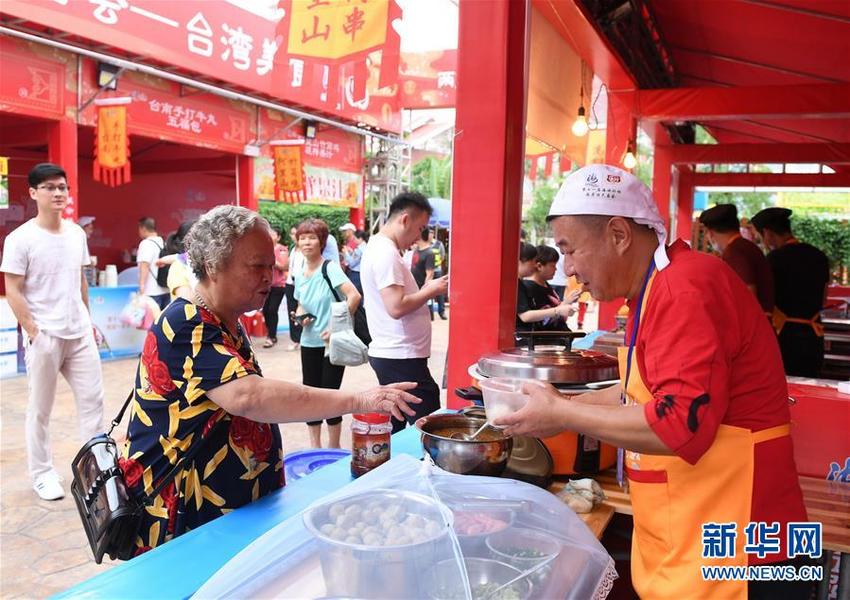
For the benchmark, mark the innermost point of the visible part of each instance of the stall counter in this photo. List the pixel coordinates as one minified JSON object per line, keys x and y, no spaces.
{"x":178,"y":568}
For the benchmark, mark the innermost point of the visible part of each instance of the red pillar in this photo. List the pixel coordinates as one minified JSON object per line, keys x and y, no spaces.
{"x":62,"y":151}
{"x":357,"y":217}
{"x":487,"y":183}
{"x":245,"y":182}
{"x":685,"y":199}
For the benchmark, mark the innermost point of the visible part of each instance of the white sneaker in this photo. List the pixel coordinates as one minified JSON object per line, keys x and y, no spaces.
{"x":48,"y":486}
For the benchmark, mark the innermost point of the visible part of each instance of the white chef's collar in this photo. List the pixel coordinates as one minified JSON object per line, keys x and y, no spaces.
{"x":609,"y":191}
{"x":661,"y":258}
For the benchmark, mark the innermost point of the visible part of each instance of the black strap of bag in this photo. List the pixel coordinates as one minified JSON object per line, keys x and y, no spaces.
{"x":361,"y":325}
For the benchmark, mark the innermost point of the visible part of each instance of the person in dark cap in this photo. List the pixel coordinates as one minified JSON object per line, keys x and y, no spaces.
{"x":801,"y":276}
{"x":745,"y":258}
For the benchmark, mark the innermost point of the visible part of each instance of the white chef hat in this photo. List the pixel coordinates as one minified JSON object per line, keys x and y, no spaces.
{"x":83,"y":221}
{"x":606,"y":190}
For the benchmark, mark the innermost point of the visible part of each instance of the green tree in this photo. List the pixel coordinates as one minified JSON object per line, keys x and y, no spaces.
{"x":433,"y":177}
{"x":543,"y":194}
{"x":284,"y":216}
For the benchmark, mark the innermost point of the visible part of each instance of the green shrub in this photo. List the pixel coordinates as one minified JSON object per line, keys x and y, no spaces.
{"x":285,"y":216}
{"x":831,"y":236}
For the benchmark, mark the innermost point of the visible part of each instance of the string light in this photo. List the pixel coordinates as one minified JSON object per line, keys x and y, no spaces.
{"x":629,"y":159}
{"x":580,"y":127}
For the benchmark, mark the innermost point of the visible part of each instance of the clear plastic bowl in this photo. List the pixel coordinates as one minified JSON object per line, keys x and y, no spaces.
{"x":503,"y":396}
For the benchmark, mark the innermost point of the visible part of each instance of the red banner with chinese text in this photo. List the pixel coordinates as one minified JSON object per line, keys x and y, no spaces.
{"x":289,"y":52}
{"x":111,"y":165}
{"x":428,"y":79}
{"x":289,"y":174}
{"x":162,"y":110}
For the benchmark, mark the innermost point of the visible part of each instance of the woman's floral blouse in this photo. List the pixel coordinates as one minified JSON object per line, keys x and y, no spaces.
{"x":187,"y":353}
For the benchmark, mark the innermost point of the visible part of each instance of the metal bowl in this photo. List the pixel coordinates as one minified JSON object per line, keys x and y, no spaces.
{"x":485,"y":575}
{"x":465,"y":457}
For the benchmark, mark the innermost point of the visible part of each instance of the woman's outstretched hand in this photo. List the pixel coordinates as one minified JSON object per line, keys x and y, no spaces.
{"x":391,"y":399}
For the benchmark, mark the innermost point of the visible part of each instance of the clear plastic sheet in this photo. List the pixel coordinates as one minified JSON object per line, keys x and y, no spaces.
{"x":410,"y":530}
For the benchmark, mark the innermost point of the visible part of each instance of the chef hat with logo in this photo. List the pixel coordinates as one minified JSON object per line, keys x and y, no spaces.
{"x":608,"y":191}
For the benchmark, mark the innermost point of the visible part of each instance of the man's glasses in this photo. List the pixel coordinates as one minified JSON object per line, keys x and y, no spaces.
{"x":62,"y":188}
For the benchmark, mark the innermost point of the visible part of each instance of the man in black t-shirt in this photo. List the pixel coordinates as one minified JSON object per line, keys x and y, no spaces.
{"x":422,"y":266}
{"x":801,"y":276}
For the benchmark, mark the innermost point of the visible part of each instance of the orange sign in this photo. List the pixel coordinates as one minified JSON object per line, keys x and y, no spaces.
{"x":289,"y":173}
{"x":112,"y":146}
{"x":333,"y":29}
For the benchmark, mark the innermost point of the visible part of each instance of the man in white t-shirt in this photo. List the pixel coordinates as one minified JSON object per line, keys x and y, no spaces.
{"x":146,"y":257}
{"x":46,"y":289}
{"x":396,"y":308}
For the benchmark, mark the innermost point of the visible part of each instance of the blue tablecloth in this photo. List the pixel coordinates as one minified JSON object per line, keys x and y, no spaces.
{"x":177,"y":569}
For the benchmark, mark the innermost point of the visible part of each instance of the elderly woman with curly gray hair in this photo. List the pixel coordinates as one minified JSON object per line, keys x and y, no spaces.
{"x":199,"y":383}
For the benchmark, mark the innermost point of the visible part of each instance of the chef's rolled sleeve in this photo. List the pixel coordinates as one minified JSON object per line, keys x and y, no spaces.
{"x":688,"y":373}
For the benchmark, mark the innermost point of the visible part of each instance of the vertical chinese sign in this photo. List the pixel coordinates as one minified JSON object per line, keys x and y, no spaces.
{"x":289,"y":172}
{"x":341,"y":34}
{"x":111,"y":165}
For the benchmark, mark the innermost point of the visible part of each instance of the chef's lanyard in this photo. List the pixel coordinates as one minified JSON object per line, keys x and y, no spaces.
{"x":621,"y":455}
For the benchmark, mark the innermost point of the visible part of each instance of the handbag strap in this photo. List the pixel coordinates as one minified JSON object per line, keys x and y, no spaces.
{"x":328,"y":279}
{"x":120,"y":414}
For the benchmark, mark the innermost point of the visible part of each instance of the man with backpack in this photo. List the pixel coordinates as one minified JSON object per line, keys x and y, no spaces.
{"x":148,"y":253}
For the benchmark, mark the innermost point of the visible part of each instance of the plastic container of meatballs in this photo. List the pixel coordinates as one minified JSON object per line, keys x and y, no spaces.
{"x":381,"y":540}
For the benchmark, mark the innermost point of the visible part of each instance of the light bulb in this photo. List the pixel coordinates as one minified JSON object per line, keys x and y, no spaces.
{"x":629,"y":160}
{"x":580,"y":127}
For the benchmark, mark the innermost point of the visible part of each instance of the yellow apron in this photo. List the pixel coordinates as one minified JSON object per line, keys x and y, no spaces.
{"x":672,"y":499}
{"x":780,"y":318}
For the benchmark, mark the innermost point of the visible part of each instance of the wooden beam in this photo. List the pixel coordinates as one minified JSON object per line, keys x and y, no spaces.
{"x":760,"y":153}
{"x":819,"y":101}
{"x":772,"y":179}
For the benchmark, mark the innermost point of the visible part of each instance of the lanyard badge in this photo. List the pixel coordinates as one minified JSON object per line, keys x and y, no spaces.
{"x":621,"y":454}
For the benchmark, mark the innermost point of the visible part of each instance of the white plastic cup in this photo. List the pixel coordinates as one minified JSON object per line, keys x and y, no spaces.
{"x":503,"y":396}
{"x":111,"y":276}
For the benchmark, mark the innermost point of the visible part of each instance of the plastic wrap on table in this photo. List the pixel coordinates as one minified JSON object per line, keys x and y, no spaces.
{"x":410,"y":530}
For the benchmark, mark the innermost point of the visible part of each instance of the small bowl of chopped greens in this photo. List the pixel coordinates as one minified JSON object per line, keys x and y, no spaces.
{"x":486,"y":577}
{"x":529,"y":550}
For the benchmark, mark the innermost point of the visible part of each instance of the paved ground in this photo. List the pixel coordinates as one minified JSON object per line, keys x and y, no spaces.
{"x":43,"y":549}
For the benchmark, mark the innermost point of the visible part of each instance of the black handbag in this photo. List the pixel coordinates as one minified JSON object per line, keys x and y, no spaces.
{"x":361,"y":325}
{"x":111,"y":516}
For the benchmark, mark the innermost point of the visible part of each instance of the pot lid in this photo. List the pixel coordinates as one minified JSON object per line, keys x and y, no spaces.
{"x":555,"y":363}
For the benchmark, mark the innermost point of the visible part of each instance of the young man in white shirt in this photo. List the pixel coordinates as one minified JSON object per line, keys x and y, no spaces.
{"x":396,"y":308}
{"x":146,"y":257}
{"x":46,"y":289}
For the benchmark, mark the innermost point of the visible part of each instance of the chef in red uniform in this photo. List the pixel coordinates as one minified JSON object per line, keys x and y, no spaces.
{"x":702,"y":409}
